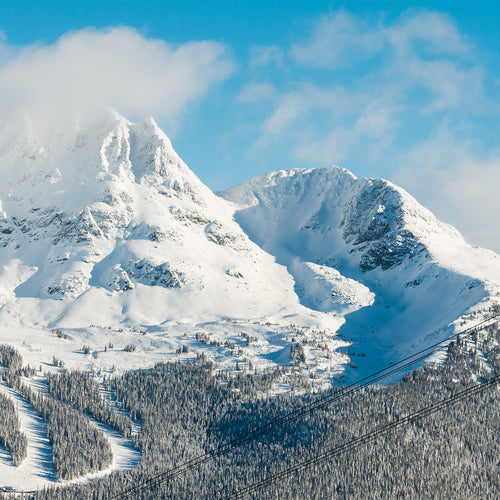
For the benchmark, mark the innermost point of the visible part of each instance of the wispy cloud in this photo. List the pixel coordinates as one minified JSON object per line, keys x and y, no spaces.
{"x":115,"y":67}
{"x":338,"y":40}
{"x":265,"y":55}
{"x":343,"y":39}
{"x":436,"y":33}
{"x":373,"y":126}
{"x":397,"y":99}
{"x":446,"y":175}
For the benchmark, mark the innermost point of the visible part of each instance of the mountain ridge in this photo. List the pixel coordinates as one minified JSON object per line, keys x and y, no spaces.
{"x":414,"y":274}
{"x":105,"y":224}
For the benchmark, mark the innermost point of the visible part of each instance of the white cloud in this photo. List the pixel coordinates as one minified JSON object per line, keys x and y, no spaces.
{"x":265,"y":55}
{"x":338,"y":40}
{"x":445,"y":175}
{"x":115,"y":67}
{"x":436,"y":31}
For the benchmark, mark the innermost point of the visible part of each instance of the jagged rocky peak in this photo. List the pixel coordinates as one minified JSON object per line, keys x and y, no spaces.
{"x":98,"y":153}
{"x":108,"y":204}
{"x":91,"y":170}
{"x":154,"y":160}
{"x":370,"y":218}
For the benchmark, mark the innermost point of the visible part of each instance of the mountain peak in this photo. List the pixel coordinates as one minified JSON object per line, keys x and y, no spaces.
{"x":370,"y":218}
{"x":110,"y":213}
{"x":150,"y":123}
{"x":106,"y":218}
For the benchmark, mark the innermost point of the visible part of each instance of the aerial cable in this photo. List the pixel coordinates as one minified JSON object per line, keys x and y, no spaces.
{"x":365,"y":438}
{"x":318,"y":403}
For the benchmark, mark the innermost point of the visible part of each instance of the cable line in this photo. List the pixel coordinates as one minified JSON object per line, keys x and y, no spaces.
{"x":318,"y":403}
{"x":366,"y":438}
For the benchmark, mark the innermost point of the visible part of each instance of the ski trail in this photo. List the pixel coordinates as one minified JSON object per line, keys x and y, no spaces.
{"x":125,"y":456}
{"x":36,"y":469}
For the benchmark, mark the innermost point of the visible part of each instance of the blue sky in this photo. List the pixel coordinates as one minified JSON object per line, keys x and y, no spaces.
{"x":402,"y":90}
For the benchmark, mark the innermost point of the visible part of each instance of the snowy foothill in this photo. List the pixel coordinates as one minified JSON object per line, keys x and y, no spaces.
{"x":232,"y":344}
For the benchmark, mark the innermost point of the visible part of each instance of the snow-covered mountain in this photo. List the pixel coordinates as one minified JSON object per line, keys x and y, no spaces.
{"x":102,"y":223}
{"x":106,"y":224}
{"x":366,"y":245}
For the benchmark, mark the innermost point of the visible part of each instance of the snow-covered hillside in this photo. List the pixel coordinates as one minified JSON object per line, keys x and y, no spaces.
{"x":105,"y":224}
{"x":105,"y":232}
{"x":366,"y":248}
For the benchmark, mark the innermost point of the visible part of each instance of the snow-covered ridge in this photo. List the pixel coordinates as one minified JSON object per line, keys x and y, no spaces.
{"x":102,"y":223}
{"x":374,"y":219}
{"x":414,"y":274}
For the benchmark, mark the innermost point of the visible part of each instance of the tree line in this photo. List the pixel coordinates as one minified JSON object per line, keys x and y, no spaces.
{"x":11,"y":437}
{"x":187,"y":409}
{"x":81,"y":391}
